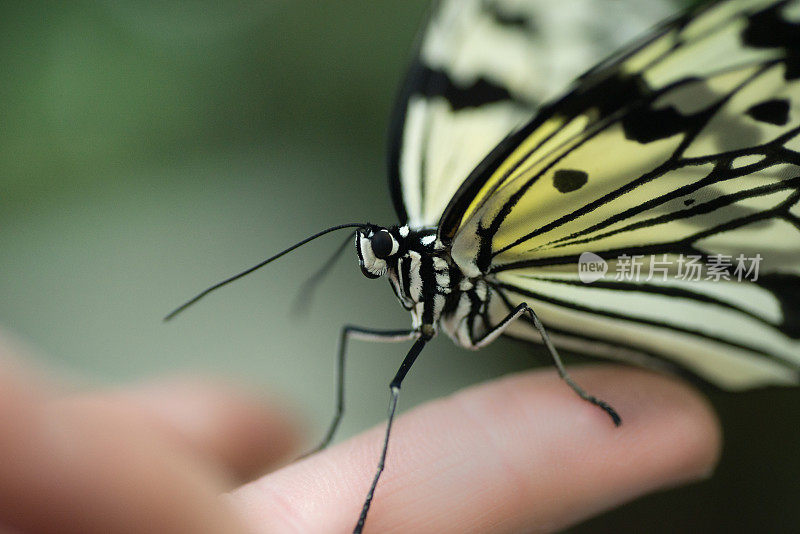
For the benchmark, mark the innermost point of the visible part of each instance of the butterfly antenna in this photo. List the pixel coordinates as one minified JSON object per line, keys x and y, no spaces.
{"x":306,"y":293}
{"x":227,"y":281}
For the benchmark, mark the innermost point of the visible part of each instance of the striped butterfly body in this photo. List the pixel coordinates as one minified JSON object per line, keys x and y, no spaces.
{"x":679,"y":154}
{"x":426,"y":281}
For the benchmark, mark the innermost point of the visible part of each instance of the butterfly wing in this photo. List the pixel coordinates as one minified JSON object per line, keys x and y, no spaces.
{"x":686,"y":144}
{"x":481,"y":69}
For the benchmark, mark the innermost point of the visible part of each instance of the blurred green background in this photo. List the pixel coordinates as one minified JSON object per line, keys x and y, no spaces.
{"x":149,"y":149}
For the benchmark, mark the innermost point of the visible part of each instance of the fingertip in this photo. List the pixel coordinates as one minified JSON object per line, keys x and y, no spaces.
{"x":675,"y":422}
{"x":660,"y":414}
{"x":583,"y":464}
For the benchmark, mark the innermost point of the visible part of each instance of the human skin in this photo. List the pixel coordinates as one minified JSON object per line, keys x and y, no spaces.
{"x":519,"y":454}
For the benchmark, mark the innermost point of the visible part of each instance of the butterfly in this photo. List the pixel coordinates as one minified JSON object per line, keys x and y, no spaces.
{"x":650,"y":214}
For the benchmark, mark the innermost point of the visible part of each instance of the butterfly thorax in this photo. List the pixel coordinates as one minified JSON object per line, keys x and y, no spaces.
{"x":425,"y":280}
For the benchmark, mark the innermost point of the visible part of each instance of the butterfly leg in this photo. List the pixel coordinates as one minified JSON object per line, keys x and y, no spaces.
{"x":363,"y":334}
{"x":562,"y":372}
{"x":394,"y":388}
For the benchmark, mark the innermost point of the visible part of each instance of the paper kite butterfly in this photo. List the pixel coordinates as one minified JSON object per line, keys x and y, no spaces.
{"x":679,"y":154}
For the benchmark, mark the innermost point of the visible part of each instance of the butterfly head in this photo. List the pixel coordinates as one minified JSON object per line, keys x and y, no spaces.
{"x":377,"y":247}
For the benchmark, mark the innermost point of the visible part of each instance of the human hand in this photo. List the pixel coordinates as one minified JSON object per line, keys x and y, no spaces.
{"x":519,"y":454}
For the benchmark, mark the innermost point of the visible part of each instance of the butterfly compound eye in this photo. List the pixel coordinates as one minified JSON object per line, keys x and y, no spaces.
{"x":382,"y":244}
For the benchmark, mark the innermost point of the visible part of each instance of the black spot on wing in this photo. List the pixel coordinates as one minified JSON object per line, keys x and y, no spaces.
{"x":774,"y":111}
{"x":646,"y":125}
{"x":640,"y":122}
{"x":612,"y":93}
{"x":768,"y":29}
{"x":434,"y":82}
{"x":568,"y":180}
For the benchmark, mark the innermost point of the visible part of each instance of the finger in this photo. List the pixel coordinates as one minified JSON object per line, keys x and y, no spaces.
{"x":76,"y":466}
{"x":223,"y":425}
{"x":520,"y":454}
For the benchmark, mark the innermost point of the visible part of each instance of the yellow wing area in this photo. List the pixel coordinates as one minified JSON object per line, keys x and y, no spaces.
{"x":687,"y":144}
{"x":710,"y":42}
{"x":602,"y":191}
{"x":614,"y":173}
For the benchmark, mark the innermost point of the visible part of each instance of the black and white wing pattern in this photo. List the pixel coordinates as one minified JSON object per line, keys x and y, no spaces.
{"x":685,"y":145}
{"x":482,"y":68}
